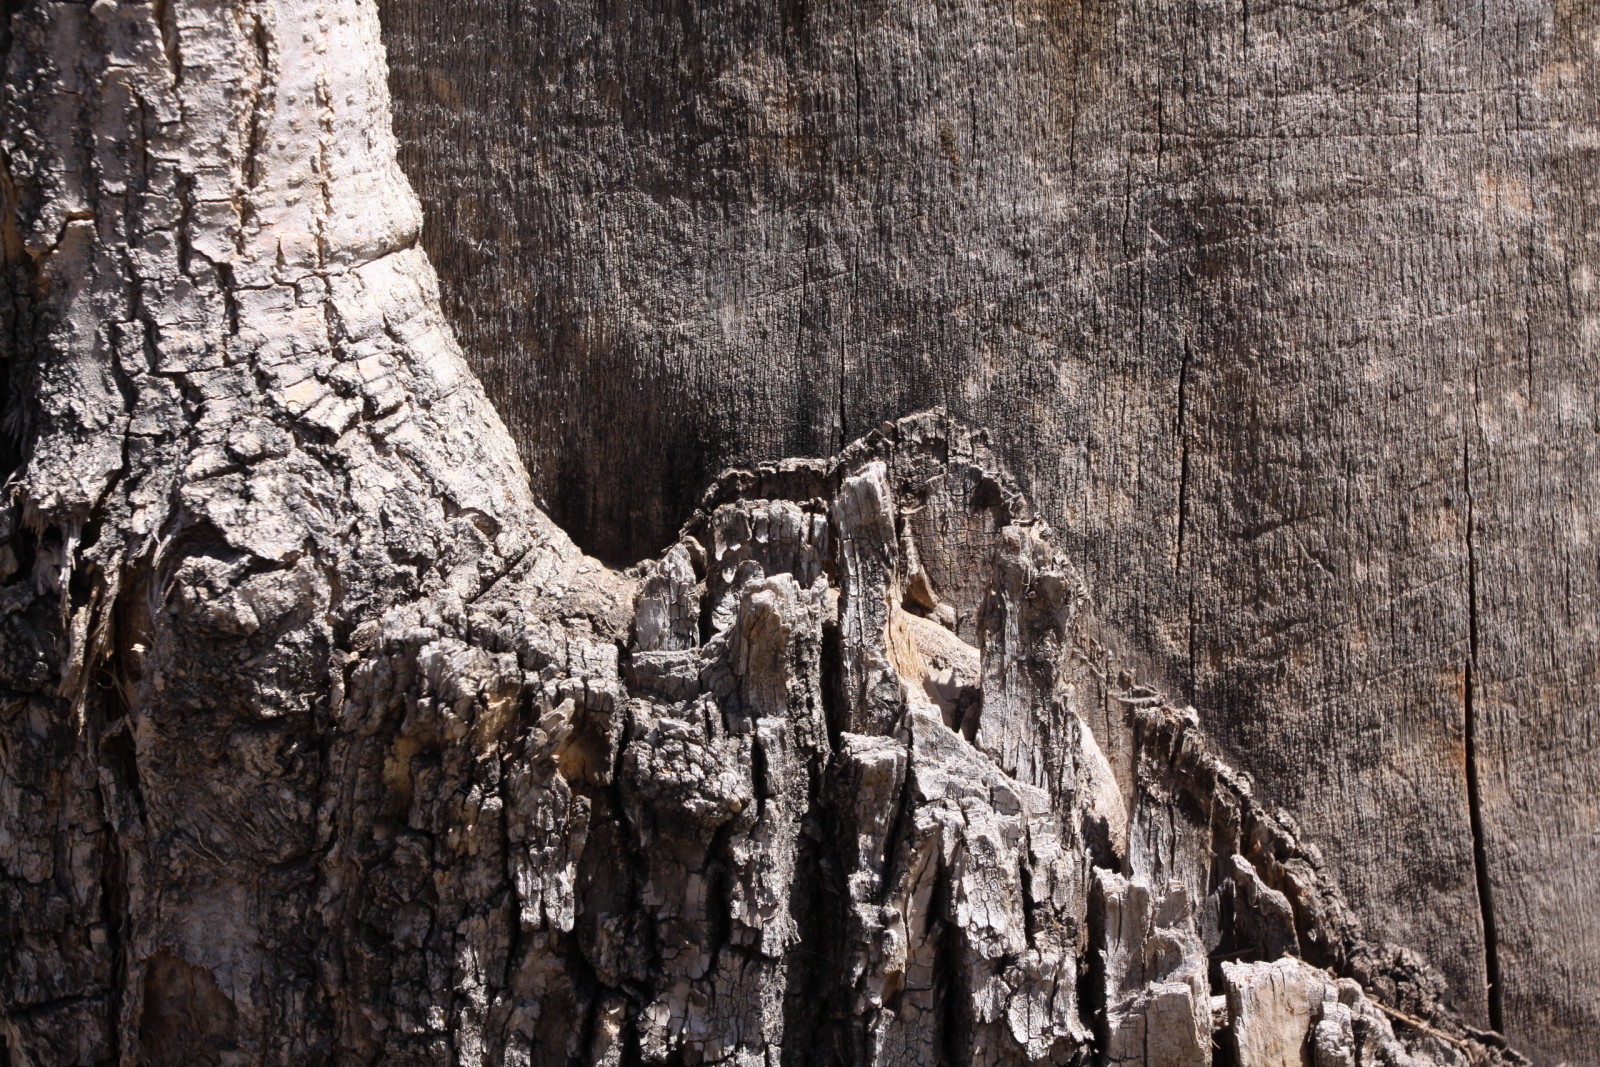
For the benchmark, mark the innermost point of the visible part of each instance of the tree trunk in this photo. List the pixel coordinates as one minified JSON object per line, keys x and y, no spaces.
{"x":321,"y":742}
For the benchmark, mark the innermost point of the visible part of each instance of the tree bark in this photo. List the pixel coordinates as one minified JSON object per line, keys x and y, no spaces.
{"x":320,"y":741}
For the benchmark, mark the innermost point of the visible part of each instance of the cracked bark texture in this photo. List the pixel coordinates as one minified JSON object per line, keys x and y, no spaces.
{"x":321,"y":742}
{"x":1283,"y":313}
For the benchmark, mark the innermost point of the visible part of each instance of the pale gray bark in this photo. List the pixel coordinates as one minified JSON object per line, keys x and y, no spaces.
{"x":320,"y":742}
{"x":259,"y":490}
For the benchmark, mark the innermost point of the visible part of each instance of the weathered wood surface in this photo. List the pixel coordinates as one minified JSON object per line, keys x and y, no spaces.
{"x":1285,"y":315}
{"x":319,"y":741}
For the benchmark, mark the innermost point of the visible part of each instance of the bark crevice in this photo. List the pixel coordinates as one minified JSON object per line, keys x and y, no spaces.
{"x":1470,"y":728}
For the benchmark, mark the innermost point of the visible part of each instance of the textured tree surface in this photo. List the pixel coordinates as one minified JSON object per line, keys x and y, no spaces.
{"x":1284,"y":314}
{"x":320,"y":742}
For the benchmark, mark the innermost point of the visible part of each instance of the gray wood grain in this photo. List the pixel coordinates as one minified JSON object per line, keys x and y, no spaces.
{"x":1284,"y":314}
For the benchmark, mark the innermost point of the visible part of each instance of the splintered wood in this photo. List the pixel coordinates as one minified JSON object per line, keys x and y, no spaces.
{"x":885,"y":826}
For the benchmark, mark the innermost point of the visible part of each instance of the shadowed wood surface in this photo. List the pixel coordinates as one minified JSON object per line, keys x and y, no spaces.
{"x":1284,"y":314}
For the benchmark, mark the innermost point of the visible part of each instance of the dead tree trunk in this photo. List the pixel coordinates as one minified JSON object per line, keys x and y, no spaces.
{"x":321,"y":743}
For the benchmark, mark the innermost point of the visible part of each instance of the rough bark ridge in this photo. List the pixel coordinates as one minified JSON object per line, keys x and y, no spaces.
{"x":319,"y":740}
{"x":258,"y":487}
{"x":964,"y":834}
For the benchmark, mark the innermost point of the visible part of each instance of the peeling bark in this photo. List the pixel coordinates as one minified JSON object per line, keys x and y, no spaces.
{"x":319,"y":741}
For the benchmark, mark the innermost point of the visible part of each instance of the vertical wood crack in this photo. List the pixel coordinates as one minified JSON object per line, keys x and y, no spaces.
{"x":1480,"y":856}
